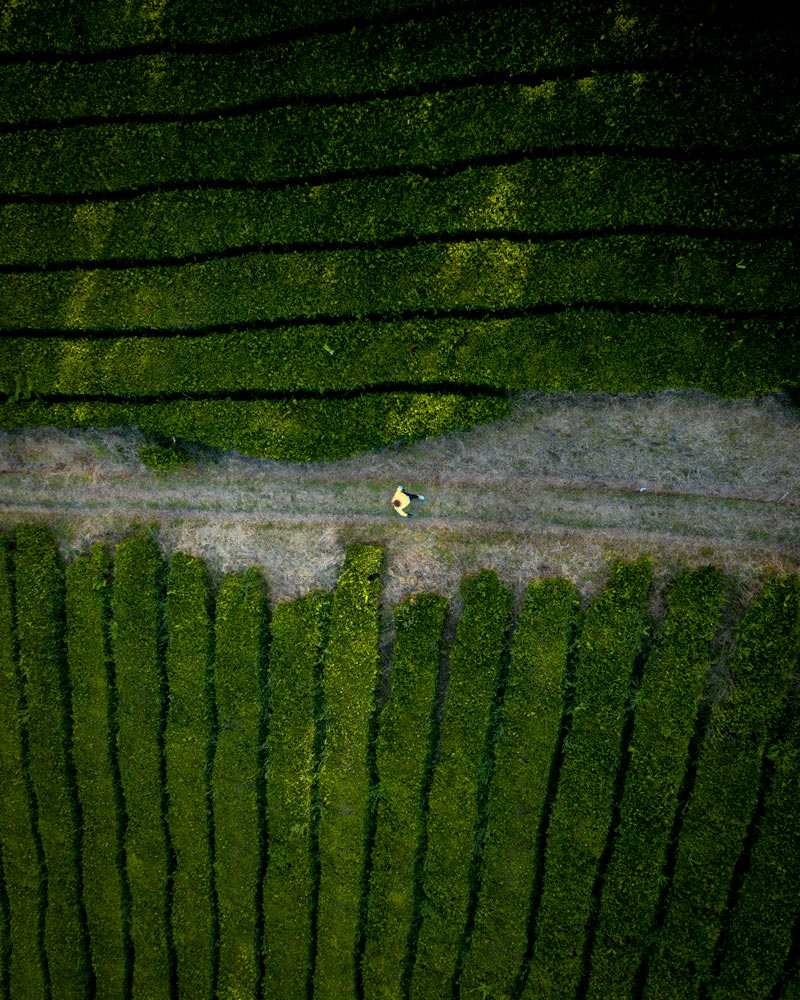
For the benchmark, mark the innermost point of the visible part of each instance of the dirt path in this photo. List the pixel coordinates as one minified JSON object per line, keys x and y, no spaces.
{"x":560,"y":486}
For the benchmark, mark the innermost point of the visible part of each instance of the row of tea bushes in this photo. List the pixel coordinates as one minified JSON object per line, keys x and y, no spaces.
{"x":205,"y":796}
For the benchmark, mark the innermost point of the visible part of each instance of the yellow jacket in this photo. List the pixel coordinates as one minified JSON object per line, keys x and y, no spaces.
{"x":400,"y":501}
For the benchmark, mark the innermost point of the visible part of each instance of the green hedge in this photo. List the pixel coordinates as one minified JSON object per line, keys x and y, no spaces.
{"x":656,"y":270}
{"x":725,"y":792}
{"x":759,"y":934}
{"x":686,"y":109}
{"x":581,"y":348}
{"x":137,"y":634}
{"x":350,"y":671}
{"x":511,"y":40}
{"x":40,"y":634}
{"x":403,"y":751}
{"x":459,"y":782}
{"x":611,"y":639}
{"x":23,"y":862}
{"x":88,"y":611}
{"x":529,"y":728}
{"x":666,"y":704}
{"x":187,"y":748}
{"x":237,"y":781}
{"x":579,"y":194}
{"x":298,"y":636}
{"x":298,"y":430}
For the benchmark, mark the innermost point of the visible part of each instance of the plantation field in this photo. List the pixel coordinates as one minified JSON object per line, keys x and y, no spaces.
{"x":208,"y":793}
{"x":309,"y":231}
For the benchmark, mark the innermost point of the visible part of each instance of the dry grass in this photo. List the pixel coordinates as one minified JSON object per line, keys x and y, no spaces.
{"x":554,"y":489}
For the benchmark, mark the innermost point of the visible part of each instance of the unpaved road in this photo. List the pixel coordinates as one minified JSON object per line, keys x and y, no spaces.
{"x":564,"y":483}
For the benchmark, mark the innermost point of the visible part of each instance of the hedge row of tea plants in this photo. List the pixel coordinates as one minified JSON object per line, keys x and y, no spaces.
{"x":350,"y":676}
{"x":531,"y":719}
{"x":403,"y":759}
{"x":451,"y":838}
{"x":757,"y":937}
{"x":460,"y":781}
{"x":513,"y":38}
{"x":23,"y":863}
{"x":189,"y":733}
{"x":298,"y":637}
{"x":611,"y":640}
{"x":670,"y":689}
{"x":579,"y":194}
{"x":237,"y":783}
{"x":39,"y":583}
{"x":487,"y":273}
{"x":138,"y":650}
{"x":91,"y":677}
{"x":302,"y":430}
{"x":725,"y":792}
{"x":688,"y":109}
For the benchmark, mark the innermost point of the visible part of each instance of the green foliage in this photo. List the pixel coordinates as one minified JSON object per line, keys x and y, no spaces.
{"x":350,"y":671}
{"x":529,"y":728}
{"x":40,"y":634}
{"x":88,"y":609}
{"x":187,"y":748}
{"x":611,"y":639}
{"x":666,"y":704}
{"x":403,"y":749}
{"x":300,"y":430}
{"x":725,"y":791}
{"x":137,"y":643}
{"x":163,"y":457}
{"x":241,"y":636}
{"x":459,"y":781}
{"x":23,"y":872}
{"x":298,"y":635}
{"x":759,"y":935}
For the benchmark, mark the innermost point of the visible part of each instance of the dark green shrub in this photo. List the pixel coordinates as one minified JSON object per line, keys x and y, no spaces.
{"x":23,"y":862}
{"x":459,"y":779}
{"x":725,"y":792}
{"x":350,"y":670}
{"x":163,"y":457}
{"x":40,"y":634}
{"x":88,"y":610}
{"x":404,"y":746}
{"x":137,"y":632}
{"x":666,"y":704}
{"x":611,"y":639}
{"x":529,"y":728}
{"x":187,"y":748}
{"x":242,"y":619}
{"x":298,"y":633}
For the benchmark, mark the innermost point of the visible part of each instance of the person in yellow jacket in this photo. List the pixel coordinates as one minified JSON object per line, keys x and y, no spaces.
{"x":402,"y":498}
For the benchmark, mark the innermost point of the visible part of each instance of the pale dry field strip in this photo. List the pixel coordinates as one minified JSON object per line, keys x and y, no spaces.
{"x":565,"y":483}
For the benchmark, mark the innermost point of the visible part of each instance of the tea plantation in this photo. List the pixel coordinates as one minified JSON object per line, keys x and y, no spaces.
{"x":306,"y":230}
{"x":205,"y":795}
